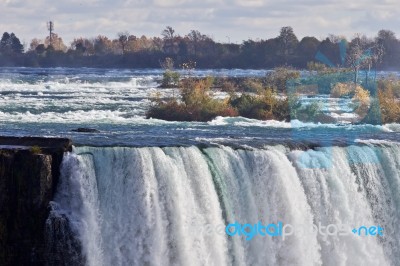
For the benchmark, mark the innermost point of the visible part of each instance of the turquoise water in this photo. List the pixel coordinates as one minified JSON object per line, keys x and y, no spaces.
{"x":166,"y":206}
{"x":151,"y":192}
{"x":52,"y":102}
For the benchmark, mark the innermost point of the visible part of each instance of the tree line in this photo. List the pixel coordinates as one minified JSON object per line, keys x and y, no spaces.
{"x":129,"y":51}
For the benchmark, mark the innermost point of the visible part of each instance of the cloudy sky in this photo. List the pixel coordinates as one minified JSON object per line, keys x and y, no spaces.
{"x":234,"y":20}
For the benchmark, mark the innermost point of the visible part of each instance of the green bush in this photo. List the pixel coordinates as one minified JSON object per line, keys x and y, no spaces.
{"x":247,"y":105}
{"x":35,"y":150}
{"x":278,"y":79}
{"x":390,"y":84}
{"x":196,"y":103}
{"x":389,"y":106}
{"x":310,"y":112}
{"x":228,"y":86}
{"x":306,"y":113}
{"x":170,"y":79}
{"x":252,"y":85}
{"x":263,"y":106}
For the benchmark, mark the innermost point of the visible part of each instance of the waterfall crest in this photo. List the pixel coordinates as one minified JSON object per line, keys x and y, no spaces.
{"x":170,"y":206}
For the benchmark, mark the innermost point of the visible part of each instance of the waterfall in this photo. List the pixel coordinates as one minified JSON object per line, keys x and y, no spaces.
{"x":170,"y":206}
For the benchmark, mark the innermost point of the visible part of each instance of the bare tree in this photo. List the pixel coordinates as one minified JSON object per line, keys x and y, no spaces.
{"x":336,"y":38}
{"x":168,"y":33}
{"x":287,"y":41}
{"x":34,"y":43}
{"x":363,"y":54}
{"x":196,"y":38}
{"x":102,"y":45}
{"x":169,"y":40}
{"x":56,"y":42}
{"x":375,"y":58}
{"x":123,"y":40}
{"x":357,"y":55}
{"x":167,"y":64}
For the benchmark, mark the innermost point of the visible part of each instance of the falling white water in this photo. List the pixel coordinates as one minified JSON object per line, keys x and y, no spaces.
{"x":77,"y":198}
{"x":170,"y":206}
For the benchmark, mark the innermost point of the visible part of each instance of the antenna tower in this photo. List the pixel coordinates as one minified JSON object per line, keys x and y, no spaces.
{"x":50,"y":28}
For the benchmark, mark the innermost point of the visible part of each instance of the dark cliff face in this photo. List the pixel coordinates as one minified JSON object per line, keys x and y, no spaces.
{"x":29,"y":172}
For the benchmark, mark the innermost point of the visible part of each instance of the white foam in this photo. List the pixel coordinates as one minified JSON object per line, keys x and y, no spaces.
{"x":150,"y":206}
{"x":393,"y":127}
{"x":374,"y":141}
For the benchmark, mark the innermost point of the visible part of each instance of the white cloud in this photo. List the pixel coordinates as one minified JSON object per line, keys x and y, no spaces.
{"x":170,"y":3}
{"x":238,"y":19}
{"x":250,"y":3}
{"x":5,"y":2}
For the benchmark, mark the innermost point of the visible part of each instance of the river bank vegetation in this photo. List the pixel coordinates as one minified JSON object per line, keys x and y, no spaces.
{"x":256,"y":98}
{"x":126,"y":50}
{"x":277,"y":96}
{"x":336,"y":67}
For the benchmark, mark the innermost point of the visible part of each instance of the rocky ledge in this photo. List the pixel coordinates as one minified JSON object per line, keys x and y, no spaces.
{"x":29,"y":173}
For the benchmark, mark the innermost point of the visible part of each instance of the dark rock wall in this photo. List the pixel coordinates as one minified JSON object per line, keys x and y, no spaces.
{"x":28,"y":180}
